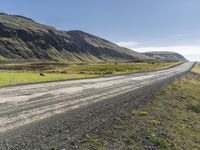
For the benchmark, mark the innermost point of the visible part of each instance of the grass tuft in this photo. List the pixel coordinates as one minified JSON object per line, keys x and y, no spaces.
{"x":158,"y":141}
{"x":154,"y":122}
{"x":194,"y":107}
{"x":139,"y":113}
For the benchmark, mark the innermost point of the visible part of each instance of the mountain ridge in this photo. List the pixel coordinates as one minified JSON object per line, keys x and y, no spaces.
{"x":166,"y":55}
{"x":22,"y":38}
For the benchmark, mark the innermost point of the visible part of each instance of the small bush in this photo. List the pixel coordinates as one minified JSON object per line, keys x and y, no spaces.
{"x":158,"y":141}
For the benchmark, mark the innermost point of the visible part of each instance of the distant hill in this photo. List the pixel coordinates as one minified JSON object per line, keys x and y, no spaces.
{"x":166,"y":56}
{"x":24,"y":39}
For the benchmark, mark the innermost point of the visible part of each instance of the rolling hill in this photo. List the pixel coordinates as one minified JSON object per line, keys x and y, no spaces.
{"x":166,"y":56}
{"x":23,"y":38}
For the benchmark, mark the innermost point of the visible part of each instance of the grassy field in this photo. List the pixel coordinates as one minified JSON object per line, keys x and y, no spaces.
{"x":27,"y":72}
{"x":171,"y":121}
{"x":13,"y":78}
{"x":117,"y":68}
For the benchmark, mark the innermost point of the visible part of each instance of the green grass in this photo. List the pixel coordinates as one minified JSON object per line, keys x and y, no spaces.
{"x":2,"y":58}
{"x":13,"y":78}
{"x":14,"y":73}
{"x":117,"y":68}
{"x":194,"y":108}
{"x":96,"y":144}
{"x":170,"y":121}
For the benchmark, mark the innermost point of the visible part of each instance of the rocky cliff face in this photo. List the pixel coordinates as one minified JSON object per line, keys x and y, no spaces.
{"x":23,"y":38}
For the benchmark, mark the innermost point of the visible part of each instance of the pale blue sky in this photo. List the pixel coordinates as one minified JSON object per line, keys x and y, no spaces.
{"x":142,"y":25}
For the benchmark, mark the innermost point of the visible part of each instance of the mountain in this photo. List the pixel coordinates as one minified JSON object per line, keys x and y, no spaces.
{"x":166,"y":56}
{"x":24,"y":39}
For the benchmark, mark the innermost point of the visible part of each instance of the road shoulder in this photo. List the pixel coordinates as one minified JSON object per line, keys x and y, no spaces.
{"x":169,"y":120}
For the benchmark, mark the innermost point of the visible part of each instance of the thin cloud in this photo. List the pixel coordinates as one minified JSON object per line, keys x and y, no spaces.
{"x":176,"y":36}
{"x":128,"y":44}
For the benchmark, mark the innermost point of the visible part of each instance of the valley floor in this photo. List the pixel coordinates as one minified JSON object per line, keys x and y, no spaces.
{"x":27,"y":72}
{"x":170,"y":120}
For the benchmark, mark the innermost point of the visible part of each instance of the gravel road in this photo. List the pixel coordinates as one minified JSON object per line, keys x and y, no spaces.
{"x":48,"y":115}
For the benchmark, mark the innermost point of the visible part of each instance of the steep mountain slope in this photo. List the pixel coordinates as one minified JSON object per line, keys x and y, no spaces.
{"x":166,"y":56}
{"x":23,"y":38}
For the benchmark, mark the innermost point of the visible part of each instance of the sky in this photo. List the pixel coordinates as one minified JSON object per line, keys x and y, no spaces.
{"x":141,"y":25}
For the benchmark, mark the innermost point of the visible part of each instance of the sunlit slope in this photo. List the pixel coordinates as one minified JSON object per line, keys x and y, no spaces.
{"x":23,"y":38}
